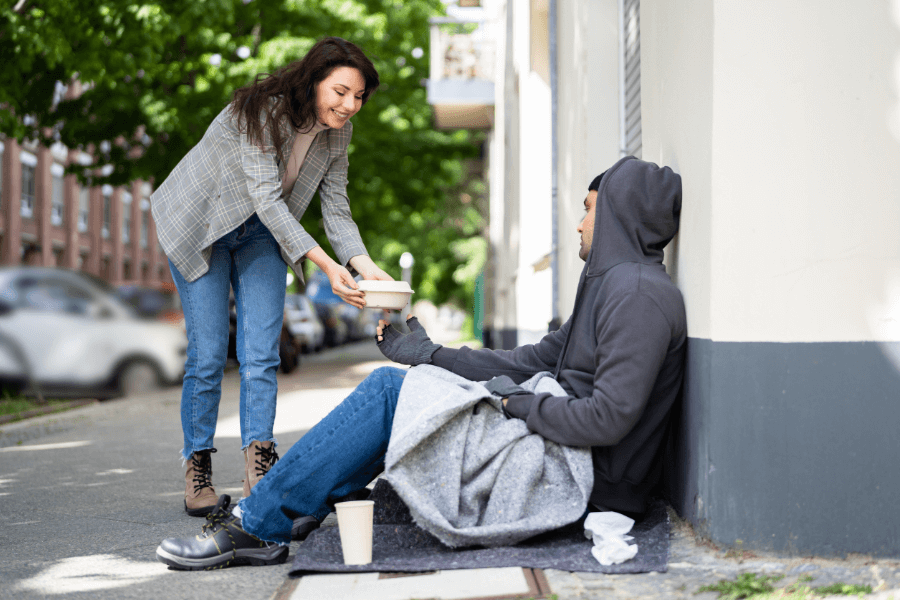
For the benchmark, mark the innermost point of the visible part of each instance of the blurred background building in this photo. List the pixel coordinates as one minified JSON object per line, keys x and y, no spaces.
{"x":784,"y":121}
{"x":48,"y":218}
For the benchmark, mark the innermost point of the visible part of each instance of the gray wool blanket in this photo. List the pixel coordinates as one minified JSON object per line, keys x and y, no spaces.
{"x":469,"y":475}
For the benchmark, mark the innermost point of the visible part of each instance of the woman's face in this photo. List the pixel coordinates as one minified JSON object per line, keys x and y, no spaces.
{"x":339,"y":96}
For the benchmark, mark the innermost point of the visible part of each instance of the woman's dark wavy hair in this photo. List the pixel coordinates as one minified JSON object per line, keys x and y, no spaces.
{"x":293,"y":88}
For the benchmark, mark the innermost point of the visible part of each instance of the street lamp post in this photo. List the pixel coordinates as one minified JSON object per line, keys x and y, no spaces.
{"x":406,"y":264}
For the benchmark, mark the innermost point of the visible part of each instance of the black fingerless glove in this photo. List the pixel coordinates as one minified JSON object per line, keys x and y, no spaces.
{"x":504,"y":387}
{"x":413,"y":348}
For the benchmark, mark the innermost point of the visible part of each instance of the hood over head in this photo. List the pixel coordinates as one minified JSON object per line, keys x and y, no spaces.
{"x":636,"y":214}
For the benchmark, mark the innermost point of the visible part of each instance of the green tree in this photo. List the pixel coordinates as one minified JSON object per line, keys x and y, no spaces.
{"x":157,"y":73}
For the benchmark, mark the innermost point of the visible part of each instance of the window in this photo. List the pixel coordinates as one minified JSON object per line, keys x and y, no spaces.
{"x":84,"y":208}
{"x":29,"y":164}
{"x":57,"y":204}
{"x":52,"y":295}
{"x":107,"y":209}
{"x":630,"y":77}
{"x":126,"y":217}
{"x":145,"y":221}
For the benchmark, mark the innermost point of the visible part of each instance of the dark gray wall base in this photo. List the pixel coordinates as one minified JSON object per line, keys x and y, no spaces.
{"x":791,"y":447}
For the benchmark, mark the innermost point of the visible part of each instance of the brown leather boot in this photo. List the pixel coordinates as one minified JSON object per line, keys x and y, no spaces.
{"x":199,"y":495}
{"x":258,"y":459}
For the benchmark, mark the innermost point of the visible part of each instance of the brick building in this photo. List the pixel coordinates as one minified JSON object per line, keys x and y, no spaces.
{"x":48,"y":219}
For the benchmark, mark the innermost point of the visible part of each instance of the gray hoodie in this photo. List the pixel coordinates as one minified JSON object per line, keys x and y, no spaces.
{"x":620,"y":356}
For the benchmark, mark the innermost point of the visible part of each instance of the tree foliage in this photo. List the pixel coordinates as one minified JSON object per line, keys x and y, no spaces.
{"x":157,"y":73}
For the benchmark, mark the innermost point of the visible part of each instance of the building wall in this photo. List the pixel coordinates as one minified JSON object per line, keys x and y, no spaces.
{"x":37,"y":239}
{"x":533,"y":288}
{"x":588,"y":121}
{"x":521,"y":227}
{"x":783,"y":122}
{"x":503,"y":234}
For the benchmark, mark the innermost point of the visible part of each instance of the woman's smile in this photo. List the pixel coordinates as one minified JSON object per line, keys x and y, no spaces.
{"x":339,"y":96}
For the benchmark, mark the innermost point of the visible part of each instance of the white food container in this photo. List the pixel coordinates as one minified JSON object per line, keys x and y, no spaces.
{"x":392,"y":295}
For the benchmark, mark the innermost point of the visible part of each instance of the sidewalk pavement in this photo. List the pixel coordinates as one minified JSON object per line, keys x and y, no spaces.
{"x":86,"y":496}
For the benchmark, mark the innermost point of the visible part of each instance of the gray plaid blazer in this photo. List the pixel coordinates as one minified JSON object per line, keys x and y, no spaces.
{"x":225,"y":178}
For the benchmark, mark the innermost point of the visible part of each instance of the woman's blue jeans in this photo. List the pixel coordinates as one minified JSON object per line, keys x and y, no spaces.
{"x":248,"y":260}
{"x":343,"y":453}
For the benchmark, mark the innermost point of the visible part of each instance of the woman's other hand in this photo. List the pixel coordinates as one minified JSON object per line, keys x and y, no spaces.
{"x":368,"y":269}
{"x":345,"y":287}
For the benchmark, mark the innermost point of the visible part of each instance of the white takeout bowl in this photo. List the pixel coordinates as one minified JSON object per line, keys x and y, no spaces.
{"x":393,"y":295}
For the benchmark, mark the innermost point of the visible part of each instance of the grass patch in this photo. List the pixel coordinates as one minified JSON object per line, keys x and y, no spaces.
{"x":15,"y":407}
{"x":843,"y":589}
{"x":747,"y":585}
{"x":751,"y":585}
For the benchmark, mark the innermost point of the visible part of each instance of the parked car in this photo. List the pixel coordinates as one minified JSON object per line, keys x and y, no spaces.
{"x":335,"y":327}
{"x":328,"y":307}
{"x":78,"y":338}
{"x":159,"y":303}
{"x":370,"y":321}
{"x":303,"y":322}
{"x":356,"y":320}
{"x":288,"y":348}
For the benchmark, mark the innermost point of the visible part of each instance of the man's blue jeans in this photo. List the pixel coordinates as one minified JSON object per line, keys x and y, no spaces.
{"x":343,"y":453}
{"x":248,"y":260}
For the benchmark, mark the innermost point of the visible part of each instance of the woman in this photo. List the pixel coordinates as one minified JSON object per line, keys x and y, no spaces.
{"x":228,"y":217}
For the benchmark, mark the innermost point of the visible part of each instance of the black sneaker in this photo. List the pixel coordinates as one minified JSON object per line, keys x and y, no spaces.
{"x":221,"y":543}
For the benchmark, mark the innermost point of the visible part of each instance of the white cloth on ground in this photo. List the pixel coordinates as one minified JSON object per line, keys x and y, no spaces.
{"x":607,"y":530}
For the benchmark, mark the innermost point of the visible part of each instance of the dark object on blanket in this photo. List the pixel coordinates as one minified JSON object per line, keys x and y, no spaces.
{"x":304,"y":525}
{"x":399,"y":545}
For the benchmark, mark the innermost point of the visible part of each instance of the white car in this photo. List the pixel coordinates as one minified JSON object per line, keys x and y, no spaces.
{"x":79,"y":339}
{"x":303,"y":322}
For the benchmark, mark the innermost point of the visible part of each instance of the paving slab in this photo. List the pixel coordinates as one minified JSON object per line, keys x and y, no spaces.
{"x":441,"y":585}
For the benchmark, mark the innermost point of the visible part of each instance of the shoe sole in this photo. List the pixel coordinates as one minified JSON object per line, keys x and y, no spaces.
{"x":198,"y":512}
{"x":256,"y":557}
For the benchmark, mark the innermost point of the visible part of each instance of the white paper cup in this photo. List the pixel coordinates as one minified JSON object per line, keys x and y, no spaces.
{"x":355,"y":527}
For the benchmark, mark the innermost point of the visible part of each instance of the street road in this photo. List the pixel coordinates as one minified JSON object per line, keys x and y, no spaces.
{"x":86,"y":497}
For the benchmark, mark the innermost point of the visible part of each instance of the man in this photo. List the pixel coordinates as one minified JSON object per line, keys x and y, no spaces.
{"x":619,"y":358}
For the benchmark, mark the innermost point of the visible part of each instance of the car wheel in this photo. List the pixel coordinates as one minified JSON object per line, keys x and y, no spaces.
{"x":138,"y":377}
{"x":289,"y":355}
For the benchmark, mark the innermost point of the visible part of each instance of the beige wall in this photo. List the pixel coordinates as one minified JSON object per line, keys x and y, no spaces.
{"x":780,"y":120}
{"x":588,"y":120}
{"x":533,"y":290}
{"x":502,"y":180}
{"x":676,"y":105}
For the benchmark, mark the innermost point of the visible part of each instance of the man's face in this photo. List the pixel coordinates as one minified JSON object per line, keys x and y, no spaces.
{"x":586,"y":227}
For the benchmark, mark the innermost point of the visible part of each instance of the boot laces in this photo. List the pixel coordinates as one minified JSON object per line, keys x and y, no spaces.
{"x":220,"y":518}
{"x":202,"y":463}
{"x":216,"y":519}
{"x":265,"y":459}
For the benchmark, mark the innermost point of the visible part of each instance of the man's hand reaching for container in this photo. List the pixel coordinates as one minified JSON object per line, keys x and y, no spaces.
{"x":413,"y":348}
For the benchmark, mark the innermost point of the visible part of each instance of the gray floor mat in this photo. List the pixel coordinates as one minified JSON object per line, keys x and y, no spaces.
{"x":399,"y":545}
